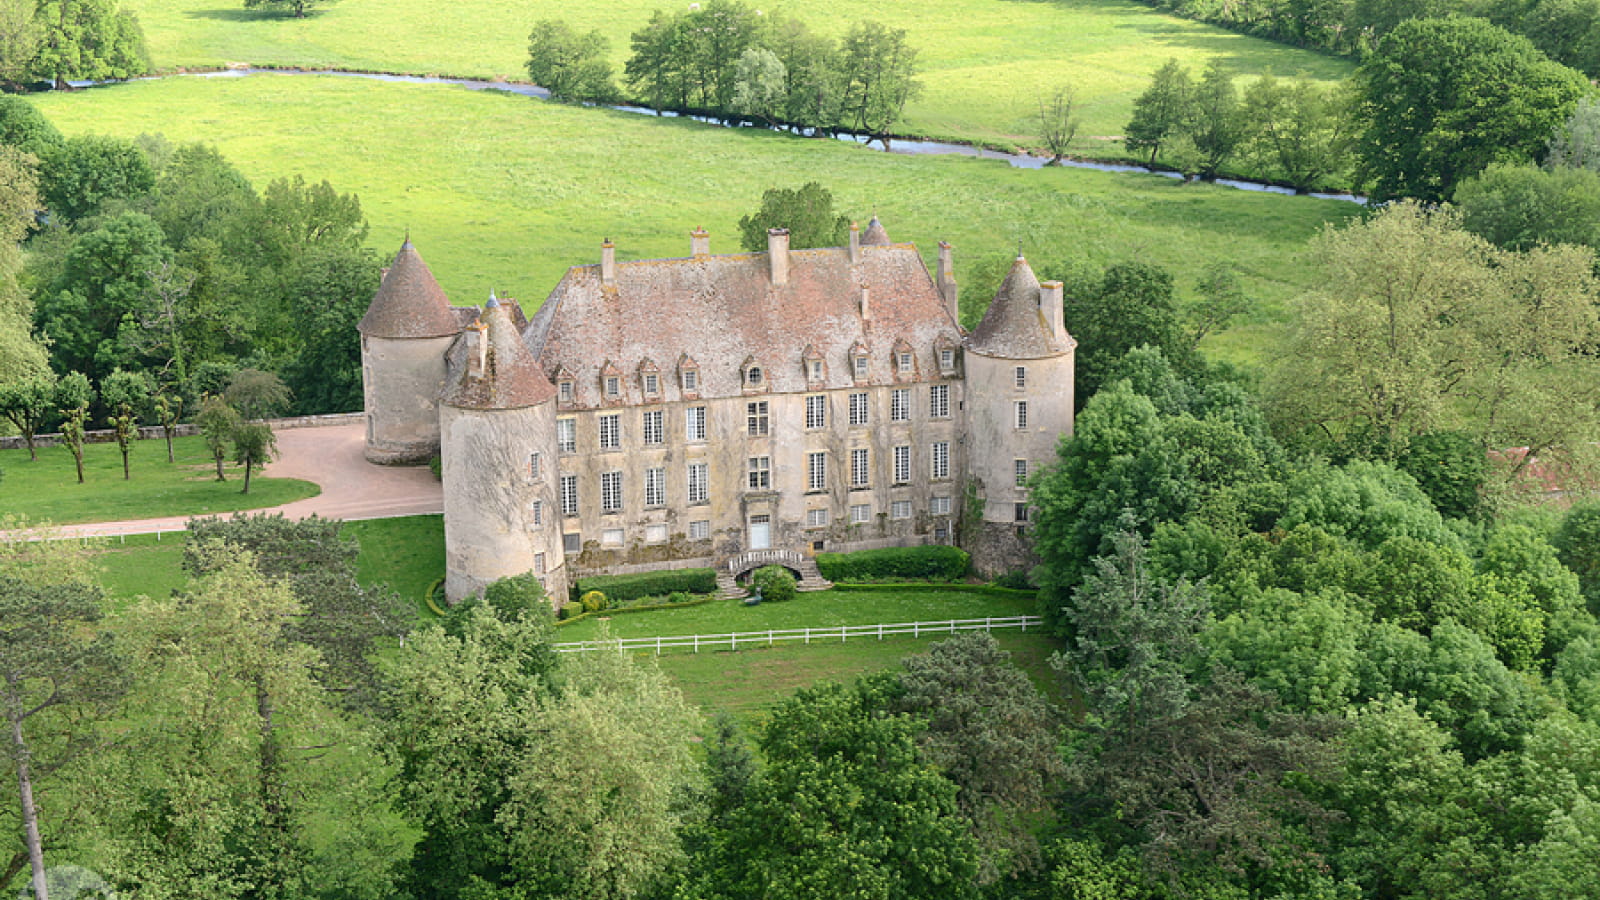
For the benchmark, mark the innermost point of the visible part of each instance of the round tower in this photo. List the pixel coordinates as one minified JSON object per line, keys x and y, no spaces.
{"x":498,"y":448}
{"x":1019,"y":371}
{"x":404,"y":335}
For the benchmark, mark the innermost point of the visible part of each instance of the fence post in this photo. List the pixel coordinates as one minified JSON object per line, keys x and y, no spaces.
{"x":880,"y":631}
{"x":808,"y":634}
{"x":697,"y":643}
{"x":658,"y":645}
{"x":769,"y":637}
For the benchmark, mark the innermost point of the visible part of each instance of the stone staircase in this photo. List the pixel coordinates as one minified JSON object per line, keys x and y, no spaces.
{"x":728,"y":573}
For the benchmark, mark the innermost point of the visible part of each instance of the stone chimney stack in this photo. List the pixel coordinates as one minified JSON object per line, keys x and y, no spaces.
{"x":855,"y":243}
{"x":778,"y":252}
{"x":1051,"y":303}
{"x":478,"y":362}
{"x":866,"y":310}
{"x":608,"y":263}
{"x":947,"y":282}
{"x":699,"y":242}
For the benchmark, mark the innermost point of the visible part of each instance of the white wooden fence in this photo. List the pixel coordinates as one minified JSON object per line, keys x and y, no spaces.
{"x":697,"y":642}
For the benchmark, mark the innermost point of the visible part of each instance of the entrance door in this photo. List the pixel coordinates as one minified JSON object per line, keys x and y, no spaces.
{"x":760,"y":533}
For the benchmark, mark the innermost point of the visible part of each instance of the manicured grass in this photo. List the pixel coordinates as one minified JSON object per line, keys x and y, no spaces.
{"x":47,"y":489}
{"x":507,"y":192}
{"x":407,"y":554}
{"x":141,"y":565}
{"x":985,"y":61}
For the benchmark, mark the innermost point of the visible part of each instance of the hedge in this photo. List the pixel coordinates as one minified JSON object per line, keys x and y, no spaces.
{"x":933,"y":562}
{"x":633,"y":609}
{"x":623,"y":588}
{"x":913,"y":587}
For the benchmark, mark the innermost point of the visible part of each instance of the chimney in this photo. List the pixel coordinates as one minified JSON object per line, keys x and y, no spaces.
{"x":947,"y":282}
{"x":608,"y":263}
{"x":699,"y":242}
{"x":478,"y":363}
{"x":865,"y":310}
{"x":1051,"y":303}
{"x":778,"y":252}
{"x":855,"y":243}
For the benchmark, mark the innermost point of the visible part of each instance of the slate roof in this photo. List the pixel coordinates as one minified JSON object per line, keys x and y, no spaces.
{"x":724,"y":311}
{"x":409,"y":302}
{"x":1014,"y":327}
{"x":511,"y":378}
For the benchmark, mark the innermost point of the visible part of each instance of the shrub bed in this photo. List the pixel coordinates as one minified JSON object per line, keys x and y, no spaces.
{"x":669,"y":603}
{"x":934,"y":562}
{"x":912,"y":587}
{"x":621,"y":589}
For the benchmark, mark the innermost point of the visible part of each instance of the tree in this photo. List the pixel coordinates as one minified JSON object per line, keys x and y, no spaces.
{"x":335,"y":284}
{"x":26,"y":401}
{"x":257,"y":394}
{"x":660,"y":64}
{"x":1443,"y":98}
{"x":1521,"y":206}
{"x":571,"y":66}
{"x":25,"y":128}
{"x":88,"y":39}
{"x":253,"y":447}
{"x":1161,"y":112}
{"x":1127,"y":305}
{"x":807,"y":212}
{"x":879,"y":75}
{"x":760,"y":85}
{"x":296,"y":8}
{"x":217,"y":421}
{"x":1216,"y":122}
{"x":813,"y":86}
{"x":1576,"y":144}
{"x":20,"y":34}
{"x":125,"y":394}
{"x":1058,"y":121}
{"x":169,"y":409}
{"x":1578,"y":541}
{"x":84,"y":173}
{"x":74,"y":395}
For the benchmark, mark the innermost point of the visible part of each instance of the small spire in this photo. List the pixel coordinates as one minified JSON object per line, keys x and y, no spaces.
{"x":1019,"y":248}
{"x":493,"y":300}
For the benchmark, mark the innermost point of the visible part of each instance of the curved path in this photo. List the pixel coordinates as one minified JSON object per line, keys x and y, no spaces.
{"x":331,"y":457}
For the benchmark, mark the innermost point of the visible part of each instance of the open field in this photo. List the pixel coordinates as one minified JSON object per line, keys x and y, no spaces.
{"x":507,"y":192}
{"x":985,"y":61}
{"x":47,"y":489}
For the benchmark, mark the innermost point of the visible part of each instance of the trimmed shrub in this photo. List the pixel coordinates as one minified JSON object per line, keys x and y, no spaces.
{"x":509,"y":599}
{"x":593,"y":601}
{"x":934,"y":562}
{"x":775,"y":583}
{"x":626,"y":588}
{"x":1016,"y":579}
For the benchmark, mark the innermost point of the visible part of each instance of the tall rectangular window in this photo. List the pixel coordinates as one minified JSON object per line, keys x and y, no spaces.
{"x":817,"y":411}
{"x":655,"y":431}
{"x":947,"y":360}
{"x":613,"y":386}
{"x":567,"y":435}
{"x":536,"y":512}
{"x":652,"y":385}
{"x":900,"y":405}
{"x":610,"y":491}
{"x":756,"y":418}
{"x":859,"y":468}
{"x":939,"y":506}
{"x":694,"y":423}
{"x":611,"y":432}
{"x":861,"y":513}
{"x":941,"y":459}
{"x":691,"y":380}
{"x":655,"y":487}
{"x":817,"y":471}
{"x":566,"y":391}
{"x":816,"y":518}
{"x":569,"y":495}
{"x":858,"y":409}
{"x":535,"y":466}
{"x":902,"y":465}
{"x":939,"y":401}
{"x":1022,"y":376}
{"x":700,"y":530}
{"x":861,"y":367}
{"x":1022,"y":472}
{"x":1021,"y":512}
{"x":698,"y":483}
{"x":538,"y":563}
{"x":760,"y":473}
{"x":900,"y":509}
{"x":1021,"y":407}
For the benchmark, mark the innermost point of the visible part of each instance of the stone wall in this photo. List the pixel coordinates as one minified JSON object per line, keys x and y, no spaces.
{"x":154,"y":432}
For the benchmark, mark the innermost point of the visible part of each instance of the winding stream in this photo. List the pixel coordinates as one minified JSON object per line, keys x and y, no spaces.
{"x":907,"y":146}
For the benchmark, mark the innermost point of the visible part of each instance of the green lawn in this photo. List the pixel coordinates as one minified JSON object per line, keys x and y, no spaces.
{"x":47,"y":489}
{"x":985,"y":61}
{"x":507,"y":192}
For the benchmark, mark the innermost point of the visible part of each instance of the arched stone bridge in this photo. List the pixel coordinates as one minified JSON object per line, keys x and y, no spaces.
{"x":804,"y":566}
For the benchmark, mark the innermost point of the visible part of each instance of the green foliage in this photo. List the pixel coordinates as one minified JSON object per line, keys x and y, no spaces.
{"x":1300,"y":132}
{"x":1578,"y":542}
{"x":570,"y":65}
{"x":26,"y":401}
{"x":257,"y":394}
{"x":1128,"y":305}
{"x":807,"y":212}
{"x":626,"y":588}
{"x":83,"y":174}
{"x":774,"y":583}
{"x":1576,"y":144}
{"x":22,"y":126}
{"x":90,"y":40}
{"x":1450,"y":467}
{"x":932,"y":562}
{"x":295,"y":8}
{"x":1521,"y":206}
{"x":878,"y":77}
{"x":593,"y":601}
{"x":1161,"y":112}
{"x":335,"y":284}
{"x":253,"y":446}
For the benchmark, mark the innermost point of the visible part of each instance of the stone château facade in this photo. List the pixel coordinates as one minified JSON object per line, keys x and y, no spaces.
{"x":681,"y":412}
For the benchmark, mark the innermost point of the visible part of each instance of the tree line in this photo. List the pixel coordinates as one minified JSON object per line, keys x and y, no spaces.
{"x":729,"y":60}
{"x":60,"y":40}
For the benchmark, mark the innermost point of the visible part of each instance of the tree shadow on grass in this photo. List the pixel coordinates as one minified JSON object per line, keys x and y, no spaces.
{"x":241,"y":14}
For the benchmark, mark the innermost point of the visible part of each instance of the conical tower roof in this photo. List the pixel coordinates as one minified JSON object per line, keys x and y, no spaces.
{"x":875,"y":235}
{"x":409,"y":303}
{"x":1014,"y":327}
{"x":510,"y":377}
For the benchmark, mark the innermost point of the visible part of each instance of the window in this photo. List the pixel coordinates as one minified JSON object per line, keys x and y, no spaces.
{"x":613,"y":386}
{"x":858,"y":409}
{"x":900,"y":405}
{"x":947,"y":359}
{"x":902,"y":465}
{"x":941,"y":459}
{"x":1021,"y":407}
{"x":860,"y":512}
{"x":569,"y":495}
{"x":538,"y":563}
{"x":859,"y":470}
{"x":566,"y":391}
{"x":1022,"y":376}
{"x":816,"y":369}
{"x":817,"y":471}
{"x":861,"y":366}
{"x":655,"y":534}
{"x":610,"y":491}
{"x":700,"y":531}
{"x":536,"y":512}
{"x":900,"y":509}
{"x":939,"y":506}
{"x":654,"y":427}
{"x":535,"y":466}
{"x":699,"y":489}
{"x":691,"y":380}
{"x":816,"y":518}
{"x":753,"y":376}
{"x":756,"y":417}
{"x":760,"y":473}
{"x":939,"y":401}
{"x":567,"y":435}
{"x":571,"y":542}
{"x":817,"y":411}
{"x":652,"y":384}
{"x":611,"y":537}
{"x":941,"y":534}
{"x":1022,"y":472}
{"x":655,"y":487}
{"x":694,"y":423}
{"x":611,"y":432}
{"x":904,"y":362}
{"x":1021,"y":510}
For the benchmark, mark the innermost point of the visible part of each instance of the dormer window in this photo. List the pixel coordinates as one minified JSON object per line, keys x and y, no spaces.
{"x":564,"y":389}
{"x":652,"y":385}
{"x":947,"y":360}
{"x":811,"y":364}
{"x":610,"y":382}
{"x":858,"y":361}
{"x":816,"y":370}
{"x":688,"y":375}
{"x":613,"y":387}
{"x":752,"y":376}
{"x":649,"y":379}
{"x":861,"y":366}
{"x":903,"y":361}
{"x":755,"y":375}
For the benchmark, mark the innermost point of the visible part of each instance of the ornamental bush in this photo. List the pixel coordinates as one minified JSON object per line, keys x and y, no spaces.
{"x":775,"y":583}
{"x":593,"y":601}
{"x":934,"y":562}
{"x":626,"y":588}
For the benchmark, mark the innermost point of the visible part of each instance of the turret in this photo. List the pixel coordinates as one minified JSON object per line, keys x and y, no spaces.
{"x":404,"y":335}
{"x":498,"y":434}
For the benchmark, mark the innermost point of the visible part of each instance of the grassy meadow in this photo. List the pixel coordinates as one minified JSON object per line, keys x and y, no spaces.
{"x":505,"y":192}
{"x":985,"y":61}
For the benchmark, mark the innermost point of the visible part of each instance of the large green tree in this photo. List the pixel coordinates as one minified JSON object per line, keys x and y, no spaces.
{"x":878,"y":70}
{"x":1299,"y":131}
{"x":1162,"y":112}
{"x":807,"y":212}
{"x":570,"y":65}
{"x":88,"y":39}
